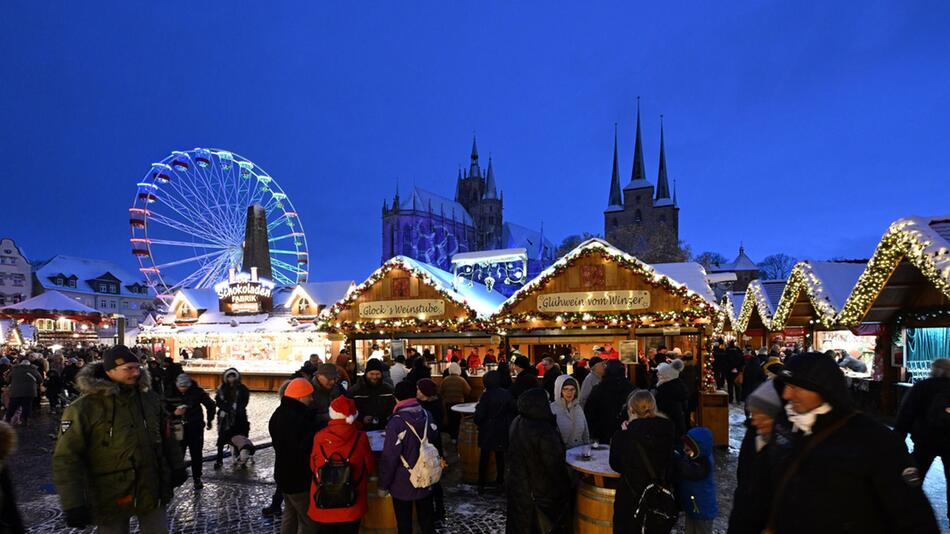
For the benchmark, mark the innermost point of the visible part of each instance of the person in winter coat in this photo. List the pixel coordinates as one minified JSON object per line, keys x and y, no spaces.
{"x":54,"y":388}
{"x":753,"y":375}
{"x":923,"y":415}
{"x":580,"y":371}
{"x":231,"y":398}
{"x":326,"y":387}
{"x":420,"y":369}
{"x":292,"y":429}
{"x":453,"y":391}
{"x":551,"y":372}
{"x":114,"y":458}
{"x":24,"y":381}
{"x":374,"y":398}
{"x":189,"y":404}
{"x":10,"y":520}
{"x":427,"y":393}
{"x":672,"y":397}
{"x":569,"y":413}
{"x":341,"y":440}
{"x":605,"y":406}
{"x":752,"y":498}
{"x":824,"y":449}
{"x":695,"y":475}
{"x":527,"y":376}
{"x":645,"y":428}
{"x":493,"y":416}
{"x":398,"y":371}
{"x":409,"y":420}
{"x":504,"y":376}
{"x":538,"y":487}
{"x":170,"y":372}
{"x":597,"y":366}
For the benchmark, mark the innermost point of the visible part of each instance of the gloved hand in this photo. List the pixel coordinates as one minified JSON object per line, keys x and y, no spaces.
{"x":179,"y":476}
{"x":78,"y":517}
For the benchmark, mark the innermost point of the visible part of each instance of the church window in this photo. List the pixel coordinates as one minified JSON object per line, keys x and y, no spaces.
{"x":637,"y":217}
{"x":407,"y":240}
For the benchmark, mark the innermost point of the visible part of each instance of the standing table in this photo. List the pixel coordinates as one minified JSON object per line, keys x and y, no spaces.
{"x":596,"y":490}
{"x":468,"y":444}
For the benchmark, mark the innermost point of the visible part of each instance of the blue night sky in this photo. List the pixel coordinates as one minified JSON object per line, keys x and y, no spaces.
{"x":794,"y":128}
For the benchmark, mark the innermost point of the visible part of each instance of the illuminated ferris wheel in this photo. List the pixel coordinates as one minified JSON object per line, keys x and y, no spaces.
{"x":188,"y":221}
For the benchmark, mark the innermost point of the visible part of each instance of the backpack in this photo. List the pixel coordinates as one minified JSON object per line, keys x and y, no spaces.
{"x":334,"y":481}
{"x":937,"y":417}
{"x":428,"y":468}
{"x":656,"y":510}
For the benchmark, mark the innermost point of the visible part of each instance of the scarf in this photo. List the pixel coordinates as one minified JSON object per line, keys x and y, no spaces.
{"x":805,"y":421}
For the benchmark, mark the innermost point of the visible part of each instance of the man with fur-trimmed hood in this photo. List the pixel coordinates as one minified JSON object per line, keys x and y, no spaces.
{"x":114,"y":458}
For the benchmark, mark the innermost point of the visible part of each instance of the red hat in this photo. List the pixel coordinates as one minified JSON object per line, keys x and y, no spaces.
{"x":298,"y":388}
{"x":343,"y":407}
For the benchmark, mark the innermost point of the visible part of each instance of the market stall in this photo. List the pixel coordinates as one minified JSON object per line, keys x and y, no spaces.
{"x":57,"y":320}
{"x":730,"y":306}
{"x":754,"y":321}
{"x":903,"y":298}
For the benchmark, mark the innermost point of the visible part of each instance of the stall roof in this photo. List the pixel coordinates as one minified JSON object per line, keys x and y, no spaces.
{"x":692,"y":274}
{"x":761,"y":295}
{"x":466,"y":292}
{"x":50,"y":301}
{"x":327,"y":293}
{"x":731,"y":306}
{"x":826,"y":285}
{"x":199,"y":299}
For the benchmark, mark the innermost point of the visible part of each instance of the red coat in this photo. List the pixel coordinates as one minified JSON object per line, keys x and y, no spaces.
{"x":338,"y":436}
{"x":474,"y":362}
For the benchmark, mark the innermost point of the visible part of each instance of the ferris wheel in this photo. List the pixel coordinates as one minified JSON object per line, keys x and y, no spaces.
{"x":188,"y":221}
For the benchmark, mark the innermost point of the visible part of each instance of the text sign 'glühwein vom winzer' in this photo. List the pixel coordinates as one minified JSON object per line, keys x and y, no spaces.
{"x":592,"y":301}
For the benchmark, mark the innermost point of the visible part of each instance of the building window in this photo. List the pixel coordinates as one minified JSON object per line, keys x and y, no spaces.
{"x":18,"y":280}
{"x":7,"y":260}
{"x":70,"y":283}
{"x":303,"y":306}
{"x":59,"y":281}
{"x":637,"y":217}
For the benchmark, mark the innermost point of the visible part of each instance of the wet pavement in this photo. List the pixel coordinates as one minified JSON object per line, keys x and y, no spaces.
{"x":232,"y":498}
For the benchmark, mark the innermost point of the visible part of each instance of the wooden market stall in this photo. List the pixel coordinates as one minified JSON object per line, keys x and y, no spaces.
{"x":754,"y":322}
{"x":730,"y":306}
{"x":57,"y":319}
{"x":903,"y":298}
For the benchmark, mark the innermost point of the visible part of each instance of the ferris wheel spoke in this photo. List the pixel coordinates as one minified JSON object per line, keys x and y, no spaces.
{"x":282,"y":278}
{"x":285,"y":236}
{"x":181,"y":227}
{"x":285,"y":266}
{"x":276,"y":222}
{"x":187,"y":244}
{"x":283,"y":251}
{"x":186,"y":260}
{"x":185,"y":208}
{"x":215,"y":270}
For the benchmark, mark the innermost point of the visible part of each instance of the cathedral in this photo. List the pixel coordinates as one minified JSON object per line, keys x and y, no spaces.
{"x":640,"y":203}
{"x":431,"y":228}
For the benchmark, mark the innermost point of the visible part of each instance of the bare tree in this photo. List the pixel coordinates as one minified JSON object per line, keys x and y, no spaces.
{"x":570,"y":242}
{"x":710,"y":259}
{"x":658,"y":245}
{"x":776,"y":267}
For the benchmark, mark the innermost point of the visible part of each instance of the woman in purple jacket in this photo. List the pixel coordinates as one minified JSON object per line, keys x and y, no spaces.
{"x":401,"y":443}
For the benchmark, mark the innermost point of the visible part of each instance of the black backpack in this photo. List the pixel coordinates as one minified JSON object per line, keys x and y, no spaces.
{"x":656,"y":510}
{"x":334,"y":481}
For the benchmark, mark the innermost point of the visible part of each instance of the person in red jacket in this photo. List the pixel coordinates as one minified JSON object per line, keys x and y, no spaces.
{"x":474,"y":362}
{"x":341,"y":436}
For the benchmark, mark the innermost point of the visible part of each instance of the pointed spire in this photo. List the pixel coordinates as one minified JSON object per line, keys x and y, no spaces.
{"x":541,"y":242}
{"x":615,"y":200}
{"x":638,"y":175}
{"x":662,"y":183}
{"x":396,"y":197}
{"x":473,"y":169}
{"x":458,"y":185}
{"x":490,"y":191}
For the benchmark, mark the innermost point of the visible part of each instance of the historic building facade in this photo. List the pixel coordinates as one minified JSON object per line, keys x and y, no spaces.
{"x":640,"y":203}
{"x":431,"y":228}
{"x":15,"y":270}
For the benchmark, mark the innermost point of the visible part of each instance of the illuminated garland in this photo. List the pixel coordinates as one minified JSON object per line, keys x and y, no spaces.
{"x":905,"y":239}
{"x":709,"y":377}
{"x":614,"y":320}
{"x":757,"y":300}
{"x":381,"y":325}
{"x":803,"y":278}
{"x":606,"y":251}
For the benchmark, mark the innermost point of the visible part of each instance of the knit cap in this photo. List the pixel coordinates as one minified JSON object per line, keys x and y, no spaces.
{"x":427,"y":387}
{"x":183,"y":380}
{"x":764,"y":399}
{"x":343,"y":407}
{"x":374,"y":364}
{"x":298,"y":388}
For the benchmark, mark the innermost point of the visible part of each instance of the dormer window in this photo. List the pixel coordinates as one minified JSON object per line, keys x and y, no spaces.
{"x":184,"y":309}
{"x":71,"y":282}
{"x":59,"y":281}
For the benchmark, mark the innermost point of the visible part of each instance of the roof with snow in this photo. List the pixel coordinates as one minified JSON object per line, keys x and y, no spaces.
{"x":419,"y":199}
{"x":514,"y":235}
{"x":85,"y":269}
{"x":732,"y":305}
{"x":827,"y":285}
{"x":52,"y":301}
{"x":741,"y":263}
{"x":327,"y":293}
{"x":772,"y":289}
{"x":199,"y":299}
{"x":692,"y":274}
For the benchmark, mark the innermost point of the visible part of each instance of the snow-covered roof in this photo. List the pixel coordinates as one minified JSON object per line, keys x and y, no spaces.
{"x":705,"y":294}
{"x":219,"y":323}
{"x":500,"y":255}
{"x":476,"y":296}
{"x":51,"y":301}
{"x":85,"y":269}
{"x":199,"y":299}
{"x":514,"y":235}
{"x":419,"y":199}
{"x":827,"y":285}
{"x":692,"y":274}
{"x":741,"y":263}
{"x":732,"y":304}
{"x":757,"y":297}
{"x":327,"y":293}
{"x":772,"y":290}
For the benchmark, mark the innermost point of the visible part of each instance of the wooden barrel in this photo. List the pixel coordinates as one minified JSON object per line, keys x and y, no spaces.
{"x":469,"y":453}
{"x":380,"y":517}
{"x":595,"y":509}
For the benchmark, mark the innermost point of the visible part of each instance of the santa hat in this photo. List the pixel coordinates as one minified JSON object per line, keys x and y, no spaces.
{"x":343,"y":407}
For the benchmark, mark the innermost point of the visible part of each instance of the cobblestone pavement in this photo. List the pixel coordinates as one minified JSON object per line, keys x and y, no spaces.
{"x":232,"y":498}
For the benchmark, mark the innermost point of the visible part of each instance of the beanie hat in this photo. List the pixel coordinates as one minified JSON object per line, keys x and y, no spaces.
{"x":183,"y":380}
{"x":666,"y":372}
{"x":455,"y":369}
{"x":677,"y":351}
{"x":614,"y":369}
{"x":328,"y":370}
{"x":427,"y":387}
{"x":298,"y":388}
{"x":595,"y":360}
{"x":580,"y":363}
{"x":522,"y":362}
{"x":764,"y":399}
{"x":405,"y":390}
{"x":117,"y":356}
{"x":375,"y":364}
{"x":343,"y":407}
{"x":678,"y":365}
{"x":816,"y":372}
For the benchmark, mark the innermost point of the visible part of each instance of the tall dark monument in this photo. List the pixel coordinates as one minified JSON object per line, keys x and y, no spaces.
{"x":256,"y":247}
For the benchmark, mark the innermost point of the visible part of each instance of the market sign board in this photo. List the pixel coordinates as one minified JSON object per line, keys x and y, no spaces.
{"x":594,"y":301}
{"x":244,"y":293}
{"x":385,"y":309}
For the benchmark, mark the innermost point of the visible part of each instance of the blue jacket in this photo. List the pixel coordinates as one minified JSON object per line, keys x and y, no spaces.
{"x":696,"y":479}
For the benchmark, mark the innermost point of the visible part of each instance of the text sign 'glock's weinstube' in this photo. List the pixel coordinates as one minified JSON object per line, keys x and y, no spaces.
{"x":384,"y":309}
{"x":593,"y":301}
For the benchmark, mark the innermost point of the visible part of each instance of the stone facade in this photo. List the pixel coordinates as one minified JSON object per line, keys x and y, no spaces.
{"x":15,"y":271}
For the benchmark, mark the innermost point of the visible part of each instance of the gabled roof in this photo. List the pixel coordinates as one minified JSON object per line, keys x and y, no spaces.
{"x":201,"y":300}
{"x":52,"y":301}
{"x":762,"y":296}
{"x":419,"y":200}
{"x":924,"y":242}
{"x":599,"y":245}
{"x":321,"y":293}
{"x":741,"y":263}
{"x":827,"y":285}
{"x":690,"y":273}
{"x":84,"y":269}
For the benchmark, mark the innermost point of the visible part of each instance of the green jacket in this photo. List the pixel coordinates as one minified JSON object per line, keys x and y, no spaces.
{"x":114,"y":454}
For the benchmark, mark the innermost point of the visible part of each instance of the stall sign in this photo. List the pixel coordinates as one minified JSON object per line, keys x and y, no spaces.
{"x":244,"y":293}
{"x":672,"y":331}
{"x":384,"y":309}
{"x":629,"y":353}
{"x":593,"y":301}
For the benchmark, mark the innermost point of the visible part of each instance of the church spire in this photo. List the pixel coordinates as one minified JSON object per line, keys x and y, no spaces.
{"x":615,"y":199}
{"x":662,"y":183}
{"x":458,"y":185}
{"x":473,"y":167}
{"x":638,"y":175}
{"x":490,"y":191}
